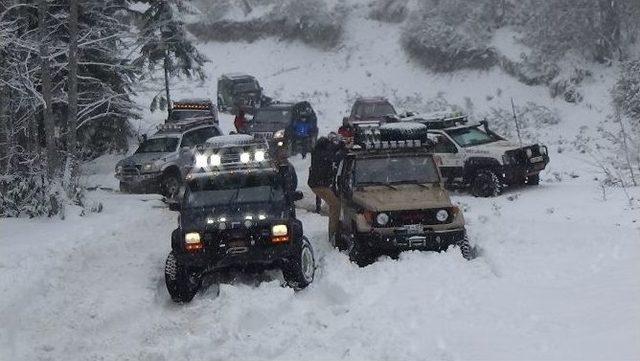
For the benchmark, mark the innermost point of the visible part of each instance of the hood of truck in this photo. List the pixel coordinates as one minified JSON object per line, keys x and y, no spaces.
{"x":500,"y":146}
{"x":142,"y":158}
{"x":402,"y":197}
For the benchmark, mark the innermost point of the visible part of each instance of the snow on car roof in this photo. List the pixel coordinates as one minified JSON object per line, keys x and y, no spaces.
{"x":237,"y":75}
{"x":231,"y":139}
{"x":403,"y":126}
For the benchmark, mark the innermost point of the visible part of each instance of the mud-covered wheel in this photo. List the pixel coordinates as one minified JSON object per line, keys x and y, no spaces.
{"x":170,"y":184}
{"x":182,"y":283}
{"x":359,"y":253}
{"x":124,"y":187}
{"x":533,"y":180}
{"x":300,"y":270}
{"x":465,"y":248}
{"x":486,"y":183}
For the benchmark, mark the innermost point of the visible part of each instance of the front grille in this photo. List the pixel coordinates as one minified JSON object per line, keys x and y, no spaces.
{"x":131,"y":170}
{"x":262,"y":135}
{"x":419,"y":216}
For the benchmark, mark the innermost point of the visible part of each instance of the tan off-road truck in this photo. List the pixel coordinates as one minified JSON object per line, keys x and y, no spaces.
{"x":392,"y":199}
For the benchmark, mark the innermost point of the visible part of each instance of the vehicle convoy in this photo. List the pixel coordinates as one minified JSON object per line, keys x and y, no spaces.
{"x":237,"y":91}
{"x":192,"y":109}
{"x":236,"y":212}
{"x":162,"y":160}
{"x":292,"y":126}
{"x":474,"y":156}
{"x":392,"y":197}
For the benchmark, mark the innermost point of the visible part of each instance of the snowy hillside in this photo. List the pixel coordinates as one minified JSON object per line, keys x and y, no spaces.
{"x":558,"y":277}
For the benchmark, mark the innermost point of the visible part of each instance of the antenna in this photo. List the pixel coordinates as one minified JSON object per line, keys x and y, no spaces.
{"x":515,"y":119}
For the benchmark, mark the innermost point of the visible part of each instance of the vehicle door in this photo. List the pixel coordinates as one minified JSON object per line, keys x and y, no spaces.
{"x":448,"y":156}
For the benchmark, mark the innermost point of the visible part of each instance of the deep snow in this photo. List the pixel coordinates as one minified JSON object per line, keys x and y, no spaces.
{"x":558,"y":277}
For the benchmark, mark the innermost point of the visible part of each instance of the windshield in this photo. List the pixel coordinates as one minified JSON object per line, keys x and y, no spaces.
{"x":246,"y":87}
{"x":396,"y":169}
{"x":234,"y":189}
{"x":158,"y":145}
{"x":273,"y":116}
{"x":467,"y":137}
{"x":369,"y":110}
{"x":177,"y":115}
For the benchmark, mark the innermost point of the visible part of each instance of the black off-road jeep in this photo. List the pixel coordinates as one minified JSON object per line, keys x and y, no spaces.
{"x":237,"y":212}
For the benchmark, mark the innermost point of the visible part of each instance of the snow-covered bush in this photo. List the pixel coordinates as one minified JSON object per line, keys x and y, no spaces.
{"x":390,"y":11}
{"x":29,"y":195}
{"x":450,"y":35}
{"x":532,"y":119}
{"x":626,"y":92}
{"x":309,"y":21}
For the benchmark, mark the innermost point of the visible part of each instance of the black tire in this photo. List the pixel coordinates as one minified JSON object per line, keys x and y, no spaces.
{"x":124,"y":187}
{"x":486,"y":183}
{"x":182,"y":283}
{"x":533,"y":180}
{"x":299,"y":271}
{"x":466,"y":249}
{"x":359,"y":253}
{"x":170,"y":184}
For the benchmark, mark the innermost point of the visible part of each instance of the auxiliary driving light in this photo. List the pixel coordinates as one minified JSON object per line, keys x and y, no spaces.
{"x":215,"y":160}
{"x":245,"y":157}
{"x":259,"y":156}
{"x":201,"y":161}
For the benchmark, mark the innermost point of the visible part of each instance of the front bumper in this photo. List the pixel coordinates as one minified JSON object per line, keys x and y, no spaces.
{"x":139,"y":178}
{"x":238,"y":256}
{"x":516,"y":173}
{"x":398,"y":240}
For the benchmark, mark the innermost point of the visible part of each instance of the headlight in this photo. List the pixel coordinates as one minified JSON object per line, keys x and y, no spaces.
{"x":543,"y":150}
{"x":192,"y":238}
{"x":279,"y":230}
{"x":442,"y":215}
{"x":382,"y":219}
{"x":262,"y":217}
{"x":279,"y":134}
{"x":259,"y":156}
{"x":201,"y":161}
{"x":245,"y":157}
{"x":529,"y":153}
{"x":118,"y":169}
{"x":148,"y":167}
{"x":215,"y":160}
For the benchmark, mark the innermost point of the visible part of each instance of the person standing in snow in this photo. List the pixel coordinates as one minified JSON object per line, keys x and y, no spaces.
{"x":325,"y":158}
{"x":240,"y":121}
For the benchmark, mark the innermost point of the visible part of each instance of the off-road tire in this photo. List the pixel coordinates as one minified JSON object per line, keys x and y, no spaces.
{"x":124,"y":187}
{"x":465,"y":248}
{"x":182,"y":283}
{"x":170,"y":184}
{"x":533,"y":180}
{"x":486,"y":183}
{"x":299,"y":271}
{"x":360,"y":254}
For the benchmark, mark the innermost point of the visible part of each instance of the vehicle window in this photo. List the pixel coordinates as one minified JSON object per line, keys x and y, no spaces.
{"x":206,"y":133}
{"x":467,"y":137}
{"x":442,"y":144}
{"x":273,"y":116}
{"x":234,"y":189}
{"x":158,"y":145}
{"x":190,"y":139}
{"x":401,"y":169}
{"x":376,"y":110}
{"x":246,"y":87}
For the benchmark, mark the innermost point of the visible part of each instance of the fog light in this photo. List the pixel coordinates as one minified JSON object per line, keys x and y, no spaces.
{"x":201,"y":161}
{"x":215,"y":160}
{"x":245,"y":158}
{"x":259,"y":156}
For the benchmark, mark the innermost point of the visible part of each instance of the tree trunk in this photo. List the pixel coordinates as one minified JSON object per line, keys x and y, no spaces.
{"x":166,"y":81}
{"x":72,"y":114}
{"x":47,"y":115}
{"x":6,"y":148}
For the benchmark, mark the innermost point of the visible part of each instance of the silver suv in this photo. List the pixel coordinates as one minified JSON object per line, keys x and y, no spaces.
{"x":163,"y":160}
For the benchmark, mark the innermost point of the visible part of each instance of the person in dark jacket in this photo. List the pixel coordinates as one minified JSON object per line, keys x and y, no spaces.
{"x":325,"y":157}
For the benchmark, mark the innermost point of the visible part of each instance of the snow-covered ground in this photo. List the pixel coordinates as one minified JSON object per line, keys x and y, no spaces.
{"x":558,"y":277}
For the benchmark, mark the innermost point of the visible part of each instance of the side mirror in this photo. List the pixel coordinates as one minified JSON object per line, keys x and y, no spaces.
{"x":175,"y":206}
{"x":297,"y":195}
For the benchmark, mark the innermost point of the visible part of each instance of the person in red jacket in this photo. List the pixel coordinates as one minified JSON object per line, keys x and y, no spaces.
{"x":240,"y":122}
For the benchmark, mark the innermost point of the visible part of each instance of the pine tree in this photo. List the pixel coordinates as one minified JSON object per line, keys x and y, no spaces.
{"x":164,"y":43}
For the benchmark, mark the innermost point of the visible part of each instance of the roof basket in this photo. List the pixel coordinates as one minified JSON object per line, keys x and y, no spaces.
{"x":392,"y":136}
{"x":181,"y":126}
{"x":440,"y":120}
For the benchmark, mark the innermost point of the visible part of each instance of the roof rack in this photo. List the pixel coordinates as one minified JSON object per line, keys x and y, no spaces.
{"x":440,"y":120}
{"x":181,"y":126}
{"x":392,"y":136}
